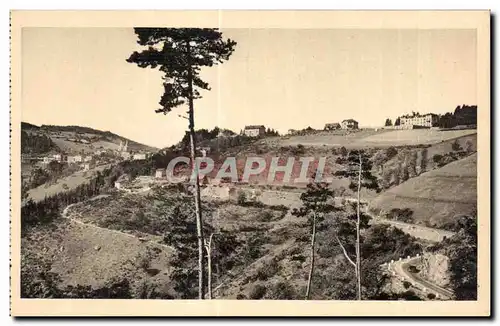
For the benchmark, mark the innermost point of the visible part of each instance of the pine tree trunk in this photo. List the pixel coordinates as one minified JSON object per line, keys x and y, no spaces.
{"x":358,"y":222}
{"x":311,"y":267}
{"x":197,"y":197}
{"x":209,"y":266}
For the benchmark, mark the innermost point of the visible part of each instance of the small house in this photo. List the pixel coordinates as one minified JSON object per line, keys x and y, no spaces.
{"x":254,"y":130}
{"x":160,"y":173}
{"x":349,"y":124}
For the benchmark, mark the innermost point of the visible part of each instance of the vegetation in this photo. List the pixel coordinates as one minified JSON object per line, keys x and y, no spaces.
{"x":462,"y":252}
{"x":35,"y":143}
{"x":464,"y":115}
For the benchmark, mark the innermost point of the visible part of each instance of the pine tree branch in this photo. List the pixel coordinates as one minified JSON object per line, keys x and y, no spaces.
{"x":345,"y":252}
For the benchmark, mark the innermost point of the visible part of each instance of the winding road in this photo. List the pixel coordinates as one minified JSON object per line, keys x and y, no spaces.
{"x":402,"y":268}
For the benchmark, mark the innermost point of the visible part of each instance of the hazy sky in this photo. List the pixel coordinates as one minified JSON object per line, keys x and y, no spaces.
{"x":282,"y":78}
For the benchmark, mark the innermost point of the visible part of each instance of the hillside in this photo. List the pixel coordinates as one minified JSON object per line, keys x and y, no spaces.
{"x":436,"y":197}
{"x":369,"y":138}
{"x":72,"y":139}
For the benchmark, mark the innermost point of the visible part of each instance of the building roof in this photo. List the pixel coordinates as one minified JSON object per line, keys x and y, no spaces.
{"x":349,"y":120}
{"x":332,"y":124}
{"x":417,"y":115}
{"x":254,"y":127}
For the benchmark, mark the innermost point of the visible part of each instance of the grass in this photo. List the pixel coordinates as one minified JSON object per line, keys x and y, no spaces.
{"x":435,"y":197}
{"x":371,"y":138}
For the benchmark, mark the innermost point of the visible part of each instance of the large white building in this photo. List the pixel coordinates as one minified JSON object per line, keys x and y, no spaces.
{"x":426,"y":120}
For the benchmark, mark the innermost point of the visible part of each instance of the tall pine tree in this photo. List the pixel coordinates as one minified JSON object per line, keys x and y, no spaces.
{"x":180,"y":53}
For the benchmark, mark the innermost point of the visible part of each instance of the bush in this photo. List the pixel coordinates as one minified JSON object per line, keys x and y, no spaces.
{"x":268,"y":270}
{"x":266,"y":216}
{"x":258,"y":291}
{"x":282,"y":291}
{"x":437,"y":158}
{"x":407,"y":284}
{"x":456,"y":146}
{"x":391,"y":152}
{"x":431,"y":296}
{"x":469,"y":146}
{"x":242,"y":197}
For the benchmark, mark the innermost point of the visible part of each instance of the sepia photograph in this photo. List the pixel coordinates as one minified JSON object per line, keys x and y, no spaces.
{"x":257,"y":164}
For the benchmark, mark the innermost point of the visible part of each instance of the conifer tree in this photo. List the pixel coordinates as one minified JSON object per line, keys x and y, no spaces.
{"x":180,"y":53}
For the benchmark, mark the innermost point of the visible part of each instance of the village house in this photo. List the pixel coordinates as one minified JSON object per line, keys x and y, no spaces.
{"x":87,"y":158}
{"x":160,"y":173}
{"x":87,"y":166}
{"x":125,"y":155}
{"x":332,"y":126}
{"x":121,"y":181}
{"x":75,"y":159}
{"x":254,"y":130}
{"x":416,"y":119}
{"x":349,"y":124}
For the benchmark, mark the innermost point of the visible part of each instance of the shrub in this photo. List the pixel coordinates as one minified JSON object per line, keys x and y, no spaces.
{"x":266,"y":216}
{"x":469,"y":146}
{"x":456,"y":146}
{"x":406,"y":284}
{"x":437,"y":158}
{"x":242,"y":197}
{"x":268,"y":270}
{"x":282,"y":291}
{"x":258,"y":291}
{"x":343,"y":151}
{"x":431,"y":296}
{"x":391,"y":152}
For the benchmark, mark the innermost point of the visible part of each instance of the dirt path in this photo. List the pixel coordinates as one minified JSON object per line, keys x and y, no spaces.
{"x":66,"y":216}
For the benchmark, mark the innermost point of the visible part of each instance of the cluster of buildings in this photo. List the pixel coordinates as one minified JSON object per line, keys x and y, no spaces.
{"x":86,"y":161}
{"x":124,"y":153}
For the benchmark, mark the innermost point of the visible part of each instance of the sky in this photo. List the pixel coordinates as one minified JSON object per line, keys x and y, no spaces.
{"x":281,"y":78}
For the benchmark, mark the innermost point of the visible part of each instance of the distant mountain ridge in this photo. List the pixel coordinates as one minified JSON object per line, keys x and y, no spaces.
{"x":73,"y":139}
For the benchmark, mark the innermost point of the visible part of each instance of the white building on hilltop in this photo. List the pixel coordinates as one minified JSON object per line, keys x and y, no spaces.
{"x":254,"y":130}
{"x":416,"y":119}
{"x":349,"y":124}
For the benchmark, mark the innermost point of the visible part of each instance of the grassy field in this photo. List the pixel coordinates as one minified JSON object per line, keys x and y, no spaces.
{"x":371,"y":138}
{"x":435,"y":197}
